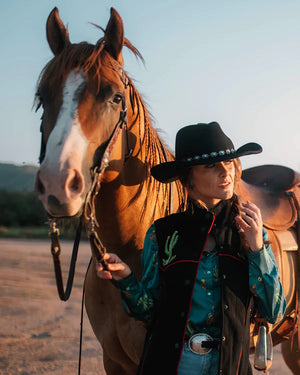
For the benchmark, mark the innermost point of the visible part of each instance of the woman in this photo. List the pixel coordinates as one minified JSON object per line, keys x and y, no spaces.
{"x":203,"y":269}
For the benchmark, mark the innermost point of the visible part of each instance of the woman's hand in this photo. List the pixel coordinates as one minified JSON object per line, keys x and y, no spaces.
{"x":116,"y":268}
{"x":250,"y":222}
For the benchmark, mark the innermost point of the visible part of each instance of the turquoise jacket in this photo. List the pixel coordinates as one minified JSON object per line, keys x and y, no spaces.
{"x":140,"y":297}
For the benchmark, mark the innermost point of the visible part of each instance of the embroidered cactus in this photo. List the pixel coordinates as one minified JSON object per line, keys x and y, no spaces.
{"x":169,"y":246}
{"x":145,"y":301}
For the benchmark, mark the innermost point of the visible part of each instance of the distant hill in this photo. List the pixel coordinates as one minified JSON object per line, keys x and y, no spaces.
{"x":17,"y":178}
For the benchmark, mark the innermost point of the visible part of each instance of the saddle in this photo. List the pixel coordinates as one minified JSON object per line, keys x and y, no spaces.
{"x":276,"y":191}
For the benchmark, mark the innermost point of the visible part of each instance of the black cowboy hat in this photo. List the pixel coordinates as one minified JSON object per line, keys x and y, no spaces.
{"x":200,"y":144}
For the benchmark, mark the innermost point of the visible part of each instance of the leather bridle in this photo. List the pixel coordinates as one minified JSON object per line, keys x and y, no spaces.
{"x":88,"y":215}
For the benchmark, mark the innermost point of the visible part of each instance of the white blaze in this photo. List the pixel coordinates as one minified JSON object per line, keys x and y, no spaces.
{"x":67,"y":143}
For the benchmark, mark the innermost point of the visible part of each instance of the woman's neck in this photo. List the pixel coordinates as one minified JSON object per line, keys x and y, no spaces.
{"x":207,"y":205}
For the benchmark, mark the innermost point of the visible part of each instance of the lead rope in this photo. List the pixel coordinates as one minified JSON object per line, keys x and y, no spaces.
{"x":81,"y":318}
{"x":55,"y":251}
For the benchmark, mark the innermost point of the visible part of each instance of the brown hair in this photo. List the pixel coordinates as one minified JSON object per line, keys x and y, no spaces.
{"x":184,"y":178}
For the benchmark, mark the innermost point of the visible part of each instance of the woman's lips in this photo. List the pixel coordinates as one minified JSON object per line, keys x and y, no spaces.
{"x":224,"y":184}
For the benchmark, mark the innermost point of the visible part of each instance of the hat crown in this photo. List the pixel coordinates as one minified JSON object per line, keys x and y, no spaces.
{"x":201,"y":139}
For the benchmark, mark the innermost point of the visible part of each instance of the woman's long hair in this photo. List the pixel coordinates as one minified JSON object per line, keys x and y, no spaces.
{"x":235,"y":204}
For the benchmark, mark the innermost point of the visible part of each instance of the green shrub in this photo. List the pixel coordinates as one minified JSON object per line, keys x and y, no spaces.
{"x":21,"y":209}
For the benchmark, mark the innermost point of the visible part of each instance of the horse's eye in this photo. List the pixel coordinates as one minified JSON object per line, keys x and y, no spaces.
{"x":117,"y":98}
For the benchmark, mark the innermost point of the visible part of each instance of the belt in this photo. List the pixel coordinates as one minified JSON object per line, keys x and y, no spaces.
{"x":202,"y":343}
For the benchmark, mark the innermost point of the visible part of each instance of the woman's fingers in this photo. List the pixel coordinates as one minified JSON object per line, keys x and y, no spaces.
{"x":105,"y":273}
{"x":250,"y":222}
{"x":102,"y":273}
{"x":111,"y":258}
{"x":251,"y":215}
{"x":242,"y":224}
{"x":114,"y":268}
{"x":251,"y":209}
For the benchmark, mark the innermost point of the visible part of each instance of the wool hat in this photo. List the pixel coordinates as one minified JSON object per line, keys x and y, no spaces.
{"x":200,"y":144}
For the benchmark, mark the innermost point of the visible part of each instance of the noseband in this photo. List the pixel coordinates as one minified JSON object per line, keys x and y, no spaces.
{"x":89,"y":214}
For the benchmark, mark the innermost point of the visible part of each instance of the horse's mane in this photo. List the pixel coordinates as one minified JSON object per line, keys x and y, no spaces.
{"x":95,"y":60}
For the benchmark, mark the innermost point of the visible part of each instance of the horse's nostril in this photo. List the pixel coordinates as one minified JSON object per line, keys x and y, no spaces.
{"x":75,"y":183}
{"x":53,"y":201}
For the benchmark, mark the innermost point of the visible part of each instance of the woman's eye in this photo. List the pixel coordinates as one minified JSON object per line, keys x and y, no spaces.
{"x":209,"y":165}
{"x":117,"y":99}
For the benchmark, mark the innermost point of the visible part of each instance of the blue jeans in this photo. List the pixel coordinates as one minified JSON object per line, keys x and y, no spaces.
{"x":196,"y":364}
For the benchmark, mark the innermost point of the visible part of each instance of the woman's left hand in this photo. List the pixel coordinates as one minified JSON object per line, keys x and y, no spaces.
{"x":250,"y":222}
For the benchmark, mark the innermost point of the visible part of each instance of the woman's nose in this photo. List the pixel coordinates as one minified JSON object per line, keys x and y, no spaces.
{"x":224,"y":168}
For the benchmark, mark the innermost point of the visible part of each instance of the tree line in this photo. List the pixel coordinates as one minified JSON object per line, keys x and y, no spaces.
{"x":21,"y":209}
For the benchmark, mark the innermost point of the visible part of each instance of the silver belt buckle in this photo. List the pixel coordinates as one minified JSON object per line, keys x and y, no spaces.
{"x":195,"y":343}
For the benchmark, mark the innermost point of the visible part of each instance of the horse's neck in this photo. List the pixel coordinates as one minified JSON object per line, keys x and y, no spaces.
{"x":129,"y":203}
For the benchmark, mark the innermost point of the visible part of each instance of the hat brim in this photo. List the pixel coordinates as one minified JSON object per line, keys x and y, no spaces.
{"x":170,"y":171}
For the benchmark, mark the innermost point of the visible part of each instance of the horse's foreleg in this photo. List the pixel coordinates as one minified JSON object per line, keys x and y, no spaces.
{"x":291,"y":354}
{"x":120,"y":336}
{"x":121,"y":367}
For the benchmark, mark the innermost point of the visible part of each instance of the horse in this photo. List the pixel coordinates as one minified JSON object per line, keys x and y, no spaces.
{"x":91,"y":105}
{"x":94,"y":116}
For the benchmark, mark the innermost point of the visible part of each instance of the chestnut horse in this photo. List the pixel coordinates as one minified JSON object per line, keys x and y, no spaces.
{"x":89,"y":101}
{"x":83,"y":90}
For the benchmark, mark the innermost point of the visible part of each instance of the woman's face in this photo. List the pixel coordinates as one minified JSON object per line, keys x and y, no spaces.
{"x":212,"y":183}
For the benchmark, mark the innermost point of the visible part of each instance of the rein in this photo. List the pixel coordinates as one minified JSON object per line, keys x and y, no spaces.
{"x":98,"y":250}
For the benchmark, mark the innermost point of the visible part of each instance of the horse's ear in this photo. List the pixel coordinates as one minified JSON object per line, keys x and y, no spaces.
{"x":57,"y":34}
{"x":114,"y":35}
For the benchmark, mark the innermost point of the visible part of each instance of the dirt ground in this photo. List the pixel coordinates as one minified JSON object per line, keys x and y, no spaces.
{"x":39,"y":334}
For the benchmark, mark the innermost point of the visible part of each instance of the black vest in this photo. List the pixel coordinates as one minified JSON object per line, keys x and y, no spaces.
{"x":181,"y":239}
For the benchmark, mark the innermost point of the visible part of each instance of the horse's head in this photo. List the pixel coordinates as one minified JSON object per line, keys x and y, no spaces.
{"x":82,"y":91}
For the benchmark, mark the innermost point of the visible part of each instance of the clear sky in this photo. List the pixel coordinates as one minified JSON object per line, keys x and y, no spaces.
{"x":232,"y":61}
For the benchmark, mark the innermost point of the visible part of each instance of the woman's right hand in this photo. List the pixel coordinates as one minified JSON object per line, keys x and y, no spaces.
{"x":116,"y":268}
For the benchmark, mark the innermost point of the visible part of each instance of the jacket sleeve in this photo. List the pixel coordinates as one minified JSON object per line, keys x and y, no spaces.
{"x":139,"y":297}
{"x":265,"y":283}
